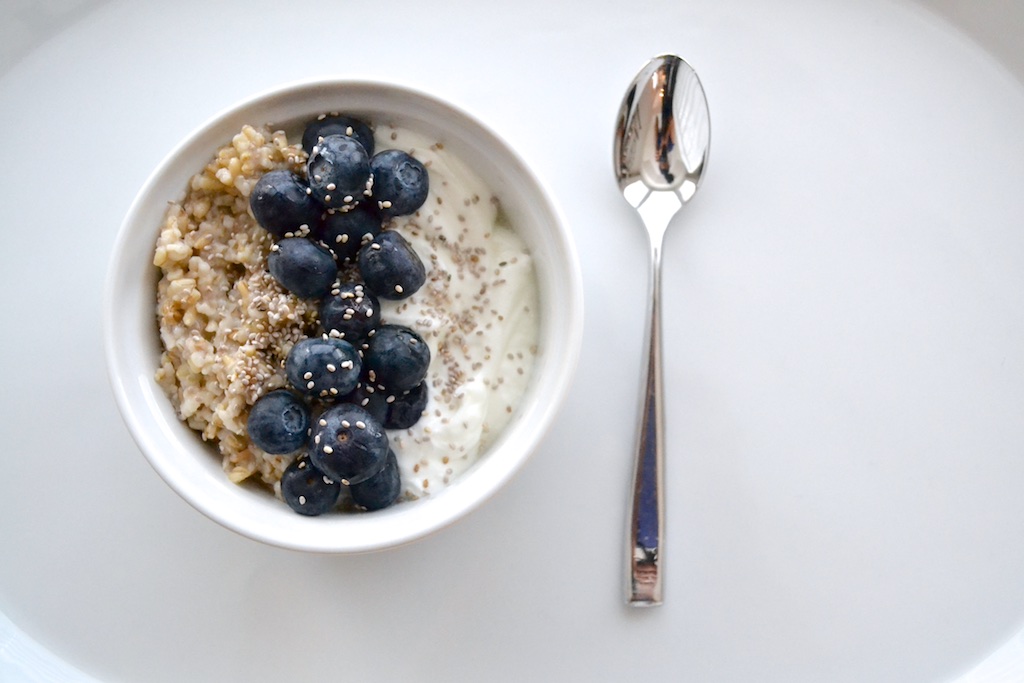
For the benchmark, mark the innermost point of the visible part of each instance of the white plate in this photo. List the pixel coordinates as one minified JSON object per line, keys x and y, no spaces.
{"x":845,"y":328}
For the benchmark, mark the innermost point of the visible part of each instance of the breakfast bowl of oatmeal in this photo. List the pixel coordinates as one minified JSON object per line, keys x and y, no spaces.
{"x":341,"y":315}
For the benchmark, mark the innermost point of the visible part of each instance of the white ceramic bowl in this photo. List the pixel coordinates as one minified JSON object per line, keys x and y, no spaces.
{"x":193,"y":468}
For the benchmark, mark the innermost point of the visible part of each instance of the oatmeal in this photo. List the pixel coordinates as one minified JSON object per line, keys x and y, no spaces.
{"x":227,"y":326}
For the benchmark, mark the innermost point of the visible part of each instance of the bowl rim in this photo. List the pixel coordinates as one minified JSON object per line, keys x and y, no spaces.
{"x":449,"y":507}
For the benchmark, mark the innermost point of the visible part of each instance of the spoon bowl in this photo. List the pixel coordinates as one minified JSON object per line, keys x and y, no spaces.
{"x":663,"y":133}
{"x":662,"y":138}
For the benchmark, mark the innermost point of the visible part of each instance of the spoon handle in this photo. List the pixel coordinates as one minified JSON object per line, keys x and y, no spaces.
{"x":647,"y":514}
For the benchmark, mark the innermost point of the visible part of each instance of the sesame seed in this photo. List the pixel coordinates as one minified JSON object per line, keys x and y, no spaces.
{"x":328,"y":450}
{"x":360,"y":425}
{"x":310,"y":385}
{"x":349,"y":131}
{"x":398,"y":289}
{"x":331,"y":186}
{"x":322,"y":422}
{"x":375,"y":246}
{"x":327,"y":197}
{"x":302,"y":500}
{"x":331,"y":367}
{"x":345,"y":424}
{"x":308,"y":375}
{"x":369,"y":312}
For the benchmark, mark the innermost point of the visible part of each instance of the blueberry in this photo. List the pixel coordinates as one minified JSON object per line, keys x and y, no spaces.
{"x":390,"y":266}
{"x":351,"y":314}
{"x":338,"y":170}
{"x":305,"y":269}
{"x":349,"y":445}
{"x":281,"y":203}
{"x":307,"y":490}
{"x":400,"y":182}
{"x":279,"y":422}
{"x":406,"y":410}
{"x":380,"y":490}
{"x":323,"y":368}
{"x":337,"y":124}
{"x":344,"y":232}
{"x":369,"y":399}
{"x":396,"y":358}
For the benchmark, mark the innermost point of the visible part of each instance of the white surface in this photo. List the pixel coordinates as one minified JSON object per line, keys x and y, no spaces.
{"x":133,"y":345}
{"x":846,"y":366}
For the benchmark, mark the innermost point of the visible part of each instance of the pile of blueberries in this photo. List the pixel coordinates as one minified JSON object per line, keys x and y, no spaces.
{"x":359,"y":377}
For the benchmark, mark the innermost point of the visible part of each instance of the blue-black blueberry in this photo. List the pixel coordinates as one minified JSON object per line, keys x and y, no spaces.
{"x":323,"y":368}
{"x":380,"y":490}
{"x":304,"y":268}
{"x":279,"y":422}
{"x":307,"y":490}
{"x":281,"y":203}
{"x":344,"y":232}
{"x":337,"y":124}
{"x":349,"y":445}
{"x":390,"y":266}
{"x":396,"y":358}
{"x":351,"y":312}
{"x":337,"y":171}
{"x":400,"y":182}
{"x":371,"y":400}
{"x":406,"y":409}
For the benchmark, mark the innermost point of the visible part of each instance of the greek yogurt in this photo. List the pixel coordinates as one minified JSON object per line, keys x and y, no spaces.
{"x":478,"y":312}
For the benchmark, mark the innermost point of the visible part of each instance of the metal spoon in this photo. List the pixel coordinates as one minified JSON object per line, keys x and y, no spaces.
{"x":661,"y":151}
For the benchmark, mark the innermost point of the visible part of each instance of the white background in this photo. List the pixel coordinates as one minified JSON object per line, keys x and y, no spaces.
{"x":844,"y":351}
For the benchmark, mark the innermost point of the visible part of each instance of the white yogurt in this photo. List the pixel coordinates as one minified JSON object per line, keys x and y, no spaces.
{"x":478,"y":312}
